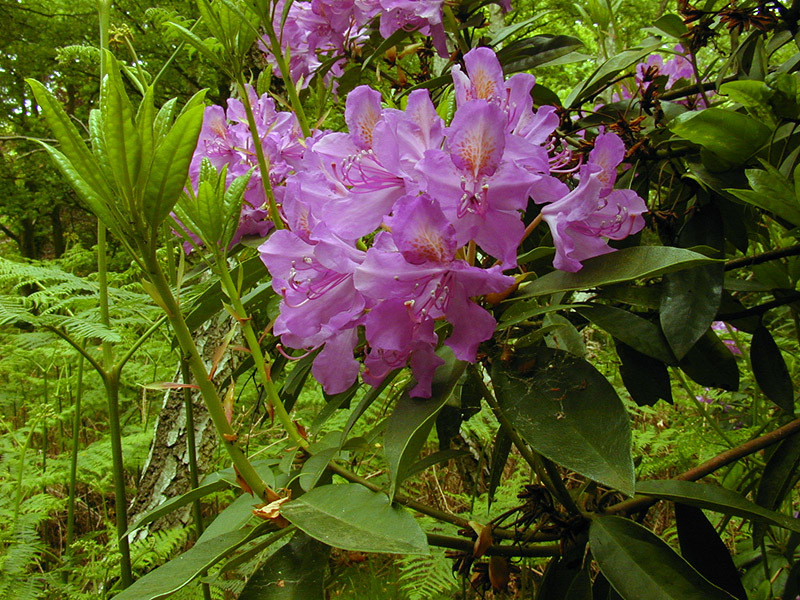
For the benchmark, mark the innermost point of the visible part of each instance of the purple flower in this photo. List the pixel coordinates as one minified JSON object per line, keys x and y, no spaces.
{"x":416,"y":266}
{"x":581,"y":220}
{"x":424,"y":16}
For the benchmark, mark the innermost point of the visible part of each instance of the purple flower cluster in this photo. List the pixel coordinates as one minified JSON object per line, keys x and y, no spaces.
{"x":226,"y":141}
{"x":433,"y":192}
{"x":318,"y":29}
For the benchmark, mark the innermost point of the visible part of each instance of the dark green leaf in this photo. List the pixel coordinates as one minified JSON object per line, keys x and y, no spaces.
{"x":413,"y":418}
{"x":624,"y":265}
{"x":640,"y":565}
{"x":295,"y":572}
{"x":178,"y":501}
{"x":770,"y":370}
{"x":564,"y":336}
{"x":716,"y":498}
{"x":568,"y":412}
{"x":670,"y":24}
{"x":564,"y":580}
{"x":233,"y":518}
{"x":711,"y":128}
{"x":436,"y":458}
{"x":638,"y":333}
{"x":352,"y":517}
{"x":645,"y":378}
{"x":528,"y":53}
{"x":500,"y":452}
{"x":702,"y":548}
{"x":689,"y":303}
{"x":771,"y":191}
{"x":792,"y":588}
{"x":711,"y":363}
{"x":122,"y":141}
{"x":776,"y":481}
{"x":179,"y":572}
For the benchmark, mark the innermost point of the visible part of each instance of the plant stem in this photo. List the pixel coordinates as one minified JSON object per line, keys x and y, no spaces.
{"x":191,"y":450}
{"x":73,"y":462}
{"x":456,"y":543}
{"x":209,"y":392}
{"x":713,"y":464}
{"x":262,"y":369}
{"x":263,"y":166}
{"x":703,"y":410}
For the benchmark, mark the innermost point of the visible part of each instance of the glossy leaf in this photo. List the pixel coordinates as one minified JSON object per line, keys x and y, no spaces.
{"x":640,"y":565}
{"x":170,"y":168}
{"x":234,"y":517}
{"x":122,"y":141}
{"x":295,"y":572}
{"x":564,"y":335}
{"x":776,"y":481}
{"x":702,"y":548}
{"x":711,"y":128}
{"x":689,"y":303}
{"x":645,"y":378}
{"x":413,"y":418}
{"x":179,"y":572}
{"x":177,"y":502}
{"x":535,"y":51}
{"x":568,"y":412}
{"x":716,"y":498}
{"x":624,"y":265}
{"x":351,"y":517}
{"x":564,"y":581}
{"x":711,"y":363}
{"x":771,"y":191}
{"x":770,"y":370}
{"x":637,"y":332}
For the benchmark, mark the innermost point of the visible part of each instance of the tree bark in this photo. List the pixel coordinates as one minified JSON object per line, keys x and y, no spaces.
{"x":166,"y":472}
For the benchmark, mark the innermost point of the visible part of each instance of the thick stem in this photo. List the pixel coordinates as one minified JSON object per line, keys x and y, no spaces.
{"x":713,"y":464}
{"x":445,"y":541}
{"x":262,"y":369}
{"x":120,"y":500}
{"x":212,"y":400}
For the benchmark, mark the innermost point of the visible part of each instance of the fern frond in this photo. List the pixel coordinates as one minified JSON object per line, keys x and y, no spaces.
{"x":426,"y":577}
{"x":78,"y":53}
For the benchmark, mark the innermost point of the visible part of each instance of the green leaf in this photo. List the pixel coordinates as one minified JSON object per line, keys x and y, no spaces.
{"x":500,"y":453}
{"x":564,"y":580}
{"x":671,"y":24}
{"x":354,"y":518}
{"x":606,"y":72}
{"x":770,"y":370}
{"x":716,"y":498}
{"x":711,"y":128}
{"x":564,"y":335}
{"x":233,"y":518}
{"x":295,"y":572}
{"x":776,"y":481}
{"x":772,"y":191}
{"x":179,"y":572}
{"x":637,"y":332}
{"x":412,"y":419}
{"x":530,"y":52}
{"x":689,"y":303}
{"x":177,"y":502}
{"x":122,"y":141}
{"x":72,"y":144}
{"x":702,"y":548}
{"x":640,"y":565}
{"x":624,"y":265}
{"x":170,"y":167}
{"x":710,"y":363}
{"x":645,"y":378}
{"x":87,"y":193}
{"x":568,"y":412}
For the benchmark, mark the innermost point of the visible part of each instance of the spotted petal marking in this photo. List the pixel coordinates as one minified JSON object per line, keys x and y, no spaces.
{"x":477,"y":138}
{"x":362,"y":113}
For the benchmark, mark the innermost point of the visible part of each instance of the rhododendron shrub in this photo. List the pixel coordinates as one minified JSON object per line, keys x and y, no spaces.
{"x":408,"y":219}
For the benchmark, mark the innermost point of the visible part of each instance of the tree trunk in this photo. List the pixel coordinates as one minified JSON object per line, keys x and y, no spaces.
{"x":166,"y":472}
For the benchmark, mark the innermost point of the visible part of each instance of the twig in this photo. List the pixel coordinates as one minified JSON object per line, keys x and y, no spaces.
{"x":445,"y":541}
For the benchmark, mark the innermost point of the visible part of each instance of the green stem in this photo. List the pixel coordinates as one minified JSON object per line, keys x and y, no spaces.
{"x":191,"y":450}
{"x":209,"y":392}
{"x":111,"y":382}
{"x":73,"y":462}
{"x":21,"y":471}
{"x":263,"y":165}
{"x":262,"y":369}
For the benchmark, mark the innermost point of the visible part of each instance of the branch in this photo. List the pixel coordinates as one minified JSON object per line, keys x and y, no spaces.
{"x":747,"y":261}
{"x":713,"y":464}
{"x":761,"y":308}
{"x":444,"y":541}
{"x":66,"y":337}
